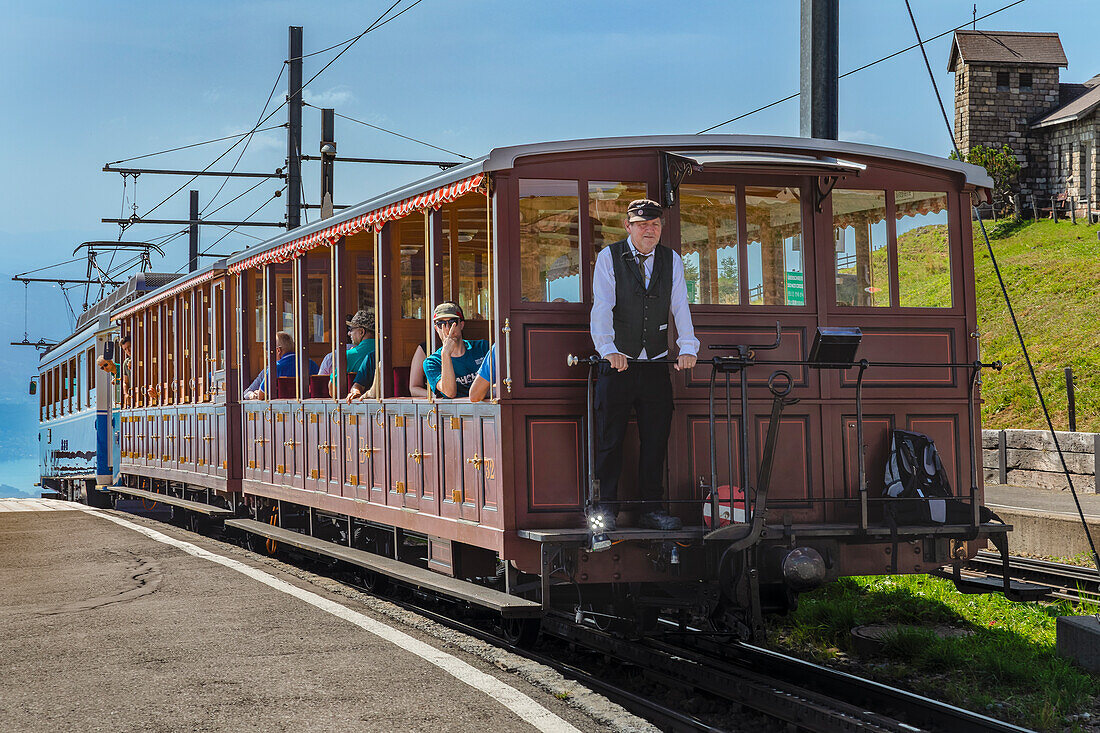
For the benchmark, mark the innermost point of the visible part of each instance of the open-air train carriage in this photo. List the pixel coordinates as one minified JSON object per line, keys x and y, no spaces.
{"x":806,"y":233}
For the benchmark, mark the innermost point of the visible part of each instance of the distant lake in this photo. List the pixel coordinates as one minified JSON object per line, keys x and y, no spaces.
{"x":21,"y":473}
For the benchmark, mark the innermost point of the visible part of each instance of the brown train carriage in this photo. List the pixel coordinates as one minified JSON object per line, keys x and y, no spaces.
{"x":806,"y":233}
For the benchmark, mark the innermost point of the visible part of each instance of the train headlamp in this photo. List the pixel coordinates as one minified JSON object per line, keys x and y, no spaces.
{"x":598,"y":526}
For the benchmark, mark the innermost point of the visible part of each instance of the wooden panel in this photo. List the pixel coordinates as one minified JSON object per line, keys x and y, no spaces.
{"x":220,"y":452}
{"x":491,"y":466}
{"x":356,"y":452}
{"x":332,"y":458}
{"x":877,"y":430}
{"x":404,"y":482}
{"x":451,"y":461}
{"x":920,"y":345}
{"x":554,"y":463}
{"x":699,"y":437}
{"x":427,"y":428}
{"x":944,"y":431}
{"x":545,"y":349}
{"x":792,"y":471}
{"x":473,"y":485}
{"x":380,"y":481}
{"x":794,"y":346}
{"x":253,"y":434}
{"x":282,"y":439}
{"x":440,"y":556}
{"x":315,"y":467}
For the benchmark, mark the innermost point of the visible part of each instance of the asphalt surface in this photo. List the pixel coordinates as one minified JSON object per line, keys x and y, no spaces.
{"x":1042,"y":500}
{"x":106,"y":629}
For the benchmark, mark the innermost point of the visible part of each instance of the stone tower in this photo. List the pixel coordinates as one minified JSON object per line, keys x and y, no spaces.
{"x":1004,"y":81}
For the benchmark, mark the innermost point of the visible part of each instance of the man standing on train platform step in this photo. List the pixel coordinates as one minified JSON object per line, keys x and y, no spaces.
{"x":637,"y":286}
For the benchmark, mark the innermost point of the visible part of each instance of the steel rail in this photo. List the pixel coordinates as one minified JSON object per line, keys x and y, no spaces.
{"x":917,"y":710}
{"x":1068,"y":581}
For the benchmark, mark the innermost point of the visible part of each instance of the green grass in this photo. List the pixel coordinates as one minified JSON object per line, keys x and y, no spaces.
{"x":1052,"y":274}
{"x":1006,"y":667}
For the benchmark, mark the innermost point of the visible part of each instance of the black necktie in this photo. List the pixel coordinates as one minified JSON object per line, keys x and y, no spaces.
{"x":641,"y":266}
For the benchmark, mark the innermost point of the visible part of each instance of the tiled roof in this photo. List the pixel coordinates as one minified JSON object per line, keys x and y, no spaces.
{"x":1007,"y":47}
{"x":1080,"y":107}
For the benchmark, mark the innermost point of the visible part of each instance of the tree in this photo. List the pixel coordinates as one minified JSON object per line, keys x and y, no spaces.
{"x":1002,"y":167}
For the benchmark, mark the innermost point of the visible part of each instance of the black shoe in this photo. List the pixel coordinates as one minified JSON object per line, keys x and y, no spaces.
{"x":600,"y":519}
{"x":660,"y":520}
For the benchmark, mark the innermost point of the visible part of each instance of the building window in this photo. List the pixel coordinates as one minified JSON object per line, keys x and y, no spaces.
{"x":1002,"y":81}
{"x":1025,"y":82}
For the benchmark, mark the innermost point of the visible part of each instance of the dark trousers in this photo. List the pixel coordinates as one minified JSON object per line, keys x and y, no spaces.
{"x":647,"y":390}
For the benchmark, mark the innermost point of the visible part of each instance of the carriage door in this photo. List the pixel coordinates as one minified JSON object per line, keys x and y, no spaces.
{"x":332,"y":458}
{"x":460,"y":494}
{"x":404,"y":455}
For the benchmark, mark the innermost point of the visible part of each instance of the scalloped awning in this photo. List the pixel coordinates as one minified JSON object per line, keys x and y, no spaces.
{"x":371,"y":220}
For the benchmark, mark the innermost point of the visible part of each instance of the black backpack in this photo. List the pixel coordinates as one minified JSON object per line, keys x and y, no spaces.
{"x":914,"y":471}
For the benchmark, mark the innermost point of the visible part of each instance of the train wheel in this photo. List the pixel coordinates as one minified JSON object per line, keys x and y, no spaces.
{"x":372,"y":581}
{"x":521,"y":632}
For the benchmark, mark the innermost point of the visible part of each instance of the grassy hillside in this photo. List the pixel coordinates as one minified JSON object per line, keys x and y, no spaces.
{"x":1052,"y":272}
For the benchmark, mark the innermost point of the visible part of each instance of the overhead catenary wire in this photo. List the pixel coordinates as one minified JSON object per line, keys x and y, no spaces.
{"x":195,"y":145}
{"x":256,"y":211}
{"x":1008,"y":302}
{"x":378,"y":23}
{"x":278,"y":78}
{"x":858,"y":68}
{"x":391,"y":132}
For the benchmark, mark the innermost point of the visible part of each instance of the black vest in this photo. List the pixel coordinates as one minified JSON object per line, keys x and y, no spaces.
{"x":640,"y":315}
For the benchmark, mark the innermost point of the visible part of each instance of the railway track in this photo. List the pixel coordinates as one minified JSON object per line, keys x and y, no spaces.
{"x":1069,"y":582}
{"x":750,"y":686}
{"x":755,"y":686}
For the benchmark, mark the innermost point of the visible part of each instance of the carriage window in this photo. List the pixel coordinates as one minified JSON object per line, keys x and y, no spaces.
{"x":89,"y":375}
{"x":260,"y":313}
{"x":607,"y":202}
{"x":549,"y":241}
{"x":774,"y":218}
{"x":862,"y":257}
{"x":708,"y":244}
{"x":410,"y":242}
{"x":924,"y":260}
{"x":465,"y":242}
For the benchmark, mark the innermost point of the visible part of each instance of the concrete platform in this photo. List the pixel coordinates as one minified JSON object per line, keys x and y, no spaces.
{"x":115,"y":622}
{"x":1078,"y":639}
{"x":1045,"y":522}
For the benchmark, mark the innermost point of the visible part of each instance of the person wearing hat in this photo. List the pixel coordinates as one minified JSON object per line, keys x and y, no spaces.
{"x":452,"y":368}
{"x":361,"y":334}
{"x":638,"y":287}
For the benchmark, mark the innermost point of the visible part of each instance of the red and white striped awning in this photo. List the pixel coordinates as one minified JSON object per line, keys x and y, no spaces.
{"x":174,"y":290}
{"x":371,"y":220}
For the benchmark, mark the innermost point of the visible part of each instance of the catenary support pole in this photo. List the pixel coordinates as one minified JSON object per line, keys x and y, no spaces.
{"x":294,"y":129}
{"x":818,"y":92}
{"x":328,"y":155}
{"x":193,"y":234}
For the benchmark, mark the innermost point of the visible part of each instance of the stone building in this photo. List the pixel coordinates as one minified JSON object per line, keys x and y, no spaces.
{"x":1008,"y":91}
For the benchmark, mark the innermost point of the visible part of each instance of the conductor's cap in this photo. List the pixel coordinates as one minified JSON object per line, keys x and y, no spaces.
{"x":642,"y":210}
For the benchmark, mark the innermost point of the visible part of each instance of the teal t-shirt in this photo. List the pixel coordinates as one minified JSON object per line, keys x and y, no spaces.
{"x":465,"y":366}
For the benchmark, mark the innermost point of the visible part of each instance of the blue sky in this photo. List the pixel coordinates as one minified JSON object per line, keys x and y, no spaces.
{"x":87,"y":83}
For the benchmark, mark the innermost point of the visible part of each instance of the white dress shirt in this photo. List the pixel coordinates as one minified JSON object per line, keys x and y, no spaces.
{"x":603,"y":303}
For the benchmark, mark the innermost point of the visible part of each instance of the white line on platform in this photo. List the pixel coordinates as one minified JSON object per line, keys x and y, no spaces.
{"x":38,"y":505}
{"x":519,"y":703}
